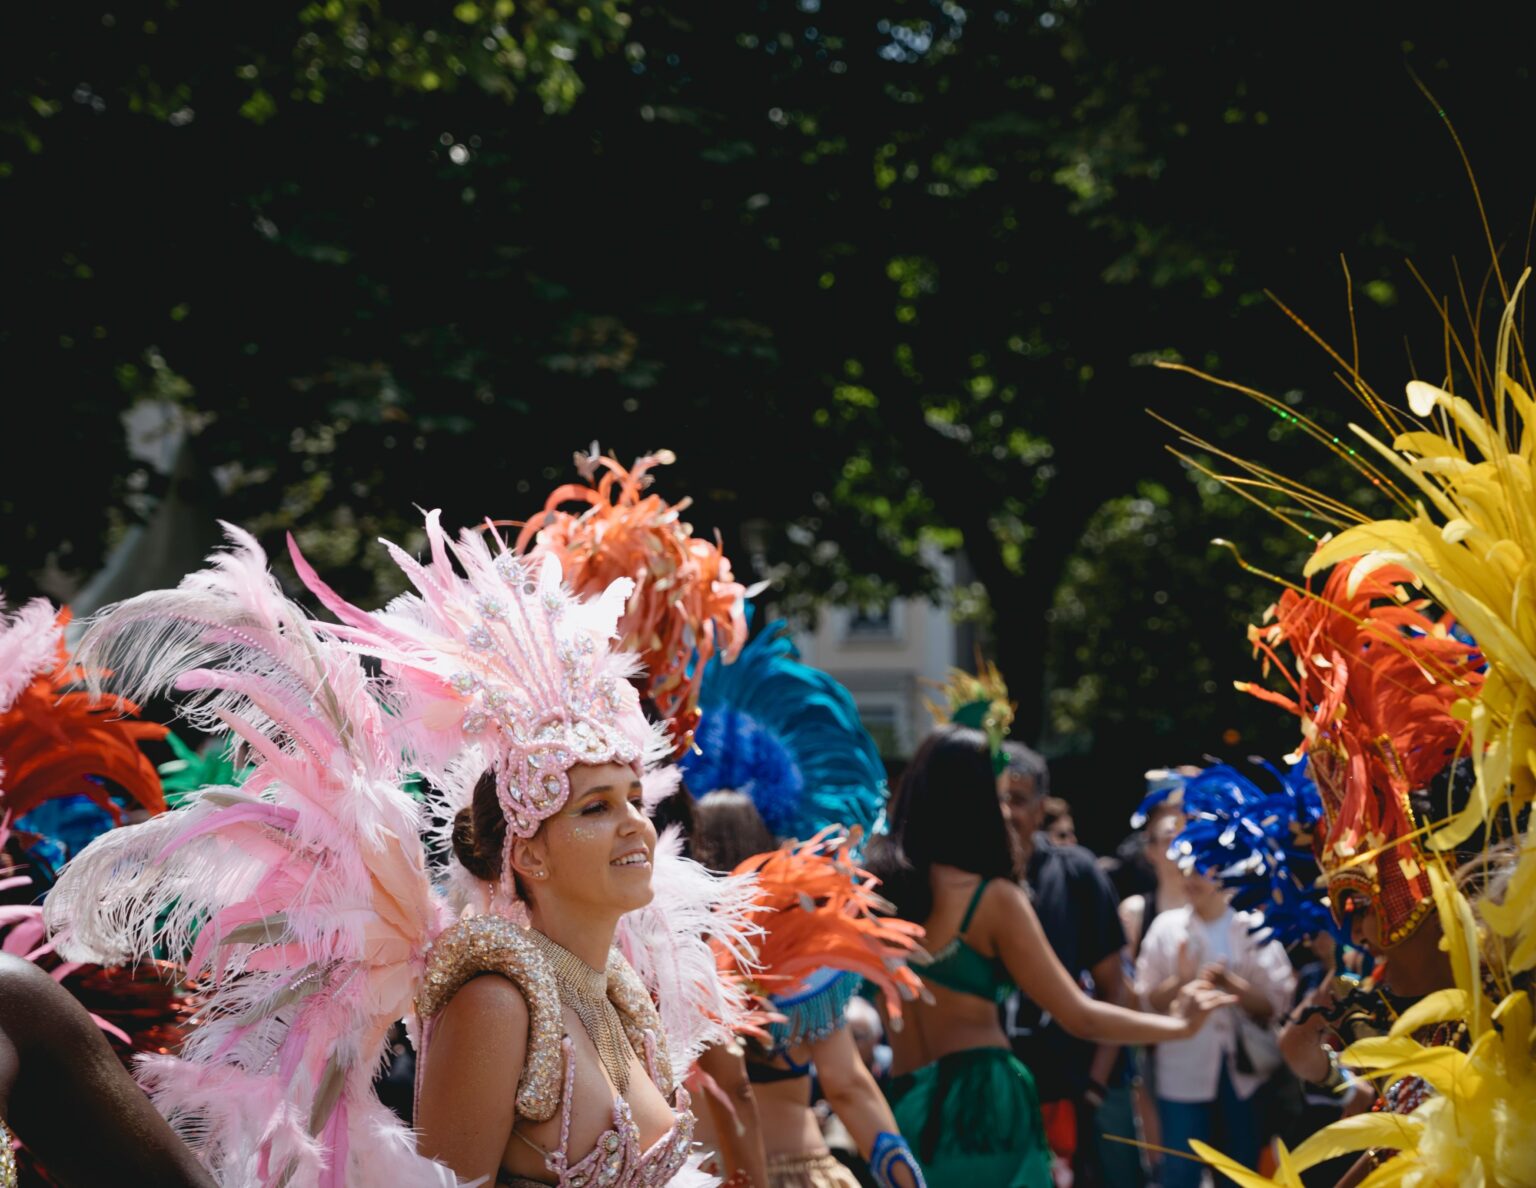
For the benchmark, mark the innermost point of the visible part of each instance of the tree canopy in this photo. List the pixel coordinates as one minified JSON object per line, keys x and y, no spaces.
{"x":883,"y":276}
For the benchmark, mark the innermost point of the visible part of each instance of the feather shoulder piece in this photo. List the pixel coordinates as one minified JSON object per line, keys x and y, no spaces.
{"x":818,"y":911}
{"x":299,"y":902}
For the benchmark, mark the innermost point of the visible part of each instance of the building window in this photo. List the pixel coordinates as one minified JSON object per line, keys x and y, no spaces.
{"x":877,"y":622}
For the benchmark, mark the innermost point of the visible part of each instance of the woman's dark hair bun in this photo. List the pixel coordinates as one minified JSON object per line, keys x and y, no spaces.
{"x":479,"y":832}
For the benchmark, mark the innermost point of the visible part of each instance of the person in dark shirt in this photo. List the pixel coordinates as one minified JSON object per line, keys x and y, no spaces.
{"x":1079,"y":912}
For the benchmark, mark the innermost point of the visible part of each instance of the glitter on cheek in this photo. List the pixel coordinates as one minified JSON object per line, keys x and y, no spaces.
{"x":584,"y":831}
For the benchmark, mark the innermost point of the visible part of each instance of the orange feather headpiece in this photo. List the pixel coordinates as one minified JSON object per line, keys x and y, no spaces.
{"x":1374,"y":681}
{"x":817,"y":909}
{"x":686,"y":605}
{"x":59,"y":740}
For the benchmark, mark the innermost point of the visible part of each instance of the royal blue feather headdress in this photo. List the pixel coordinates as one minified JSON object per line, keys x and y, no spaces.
{"x":1259,"y":844}
{"x":788,"y":736}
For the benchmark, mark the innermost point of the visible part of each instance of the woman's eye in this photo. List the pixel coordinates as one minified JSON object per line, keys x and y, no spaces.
{"x":597,"y":806}
{"x":637,"y":802}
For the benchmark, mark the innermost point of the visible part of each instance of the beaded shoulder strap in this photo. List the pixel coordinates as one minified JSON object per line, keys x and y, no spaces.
{"x":492,"y":944}
{"x":642,"y":1023}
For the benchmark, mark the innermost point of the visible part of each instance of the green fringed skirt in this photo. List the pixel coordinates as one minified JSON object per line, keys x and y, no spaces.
{"x":973,"y":1121}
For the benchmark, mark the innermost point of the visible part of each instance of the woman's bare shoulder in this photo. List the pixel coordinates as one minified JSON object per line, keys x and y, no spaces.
{"x":489,"y":998}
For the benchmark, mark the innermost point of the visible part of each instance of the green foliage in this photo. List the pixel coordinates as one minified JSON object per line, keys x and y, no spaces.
{"x":884,"y":279}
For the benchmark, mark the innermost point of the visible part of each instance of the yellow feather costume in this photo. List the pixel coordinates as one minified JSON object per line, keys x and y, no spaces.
{"x":1465,"y":481}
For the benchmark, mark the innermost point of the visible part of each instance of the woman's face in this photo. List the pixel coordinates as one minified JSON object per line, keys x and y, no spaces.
{"x":600,"y":847}
{"x":1160,"y":834}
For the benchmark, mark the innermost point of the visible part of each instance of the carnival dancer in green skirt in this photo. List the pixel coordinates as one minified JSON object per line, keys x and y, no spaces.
{"x":960,"y":1097}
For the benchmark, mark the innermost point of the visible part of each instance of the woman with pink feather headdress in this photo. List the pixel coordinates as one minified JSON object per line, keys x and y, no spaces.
{"x":303,"y":898}
{"x":556,"y":829}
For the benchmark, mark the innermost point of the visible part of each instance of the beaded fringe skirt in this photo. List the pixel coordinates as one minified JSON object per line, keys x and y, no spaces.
{"x":809,"y":1171}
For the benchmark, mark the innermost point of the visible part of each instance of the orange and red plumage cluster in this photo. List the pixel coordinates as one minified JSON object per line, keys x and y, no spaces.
{"x":1375,"y":677}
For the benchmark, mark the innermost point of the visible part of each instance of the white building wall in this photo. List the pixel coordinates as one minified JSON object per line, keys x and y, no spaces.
{"x":889,"y":663}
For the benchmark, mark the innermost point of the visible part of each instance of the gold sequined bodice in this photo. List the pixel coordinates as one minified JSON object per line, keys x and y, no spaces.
{"x":7,"y":1158}
{"x":494,"y":944}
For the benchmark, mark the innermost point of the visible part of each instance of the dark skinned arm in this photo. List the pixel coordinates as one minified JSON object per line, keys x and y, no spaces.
{"x":70,"y":1099}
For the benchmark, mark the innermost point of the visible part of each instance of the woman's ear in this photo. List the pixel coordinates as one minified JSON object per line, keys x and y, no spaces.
{"x":529,"y":859}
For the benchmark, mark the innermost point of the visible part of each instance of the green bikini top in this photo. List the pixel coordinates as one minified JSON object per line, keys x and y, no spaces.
{"x":959,"y":967}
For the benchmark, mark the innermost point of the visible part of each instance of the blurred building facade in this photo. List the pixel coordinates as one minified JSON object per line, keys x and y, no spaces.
{"x":890,"y":659}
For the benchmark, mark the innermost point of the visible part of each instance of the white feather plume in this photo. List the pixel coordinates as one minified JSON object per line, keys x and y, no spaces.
{"x":29,"y":645}
{"x":668,"y":943}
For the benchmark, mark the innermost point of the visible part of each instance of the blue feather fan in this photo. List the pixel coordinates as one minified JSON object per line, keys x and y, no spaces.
{"x":1259,"y":845}
{"x":788,"y":736}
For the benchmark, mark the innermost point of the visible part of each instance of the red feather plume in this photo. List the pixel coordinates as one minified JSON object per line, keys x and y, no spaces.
{"x":1374,"y":680}
{"x":819,"y":910}
{"x":59,"y":740}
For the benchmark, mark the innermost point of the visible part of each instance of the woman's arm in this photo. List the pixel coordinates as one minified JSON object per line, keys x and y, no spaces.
{"x":740,"y":1135}
{"x":1035,"y":968}
{"x":73,"y":1103}
{"x":855,"y":1098}
{"x":468,"y":1101}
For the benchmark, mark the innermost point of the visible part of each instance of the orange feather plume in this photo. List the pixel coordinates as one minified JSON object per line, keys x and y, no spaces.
{"x":686,"y":605}
{"x":1374,"y":681}
{"x":58,"y":740}
{"x":819,"y":910}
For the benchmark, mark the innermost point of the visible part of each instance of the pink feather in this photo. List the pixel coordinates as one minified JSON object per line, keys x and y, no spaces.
{"x":307,"y":891}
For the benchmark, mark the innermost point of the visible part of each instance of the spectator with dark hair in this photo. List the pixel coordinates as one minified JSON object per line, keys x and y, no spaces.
{"x":1078,"y":910}
{"x":1056,"y":822}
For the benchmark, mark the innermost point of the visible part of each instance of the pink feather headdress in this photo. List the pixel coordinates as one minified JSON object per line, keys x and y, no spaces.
{"x":496,"y":653}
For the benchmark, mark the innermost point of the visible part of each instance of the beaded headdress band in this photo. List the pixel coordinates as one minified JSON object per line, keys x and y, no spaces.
{"x":1374,"y":681}
{"x":497,"y":653}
